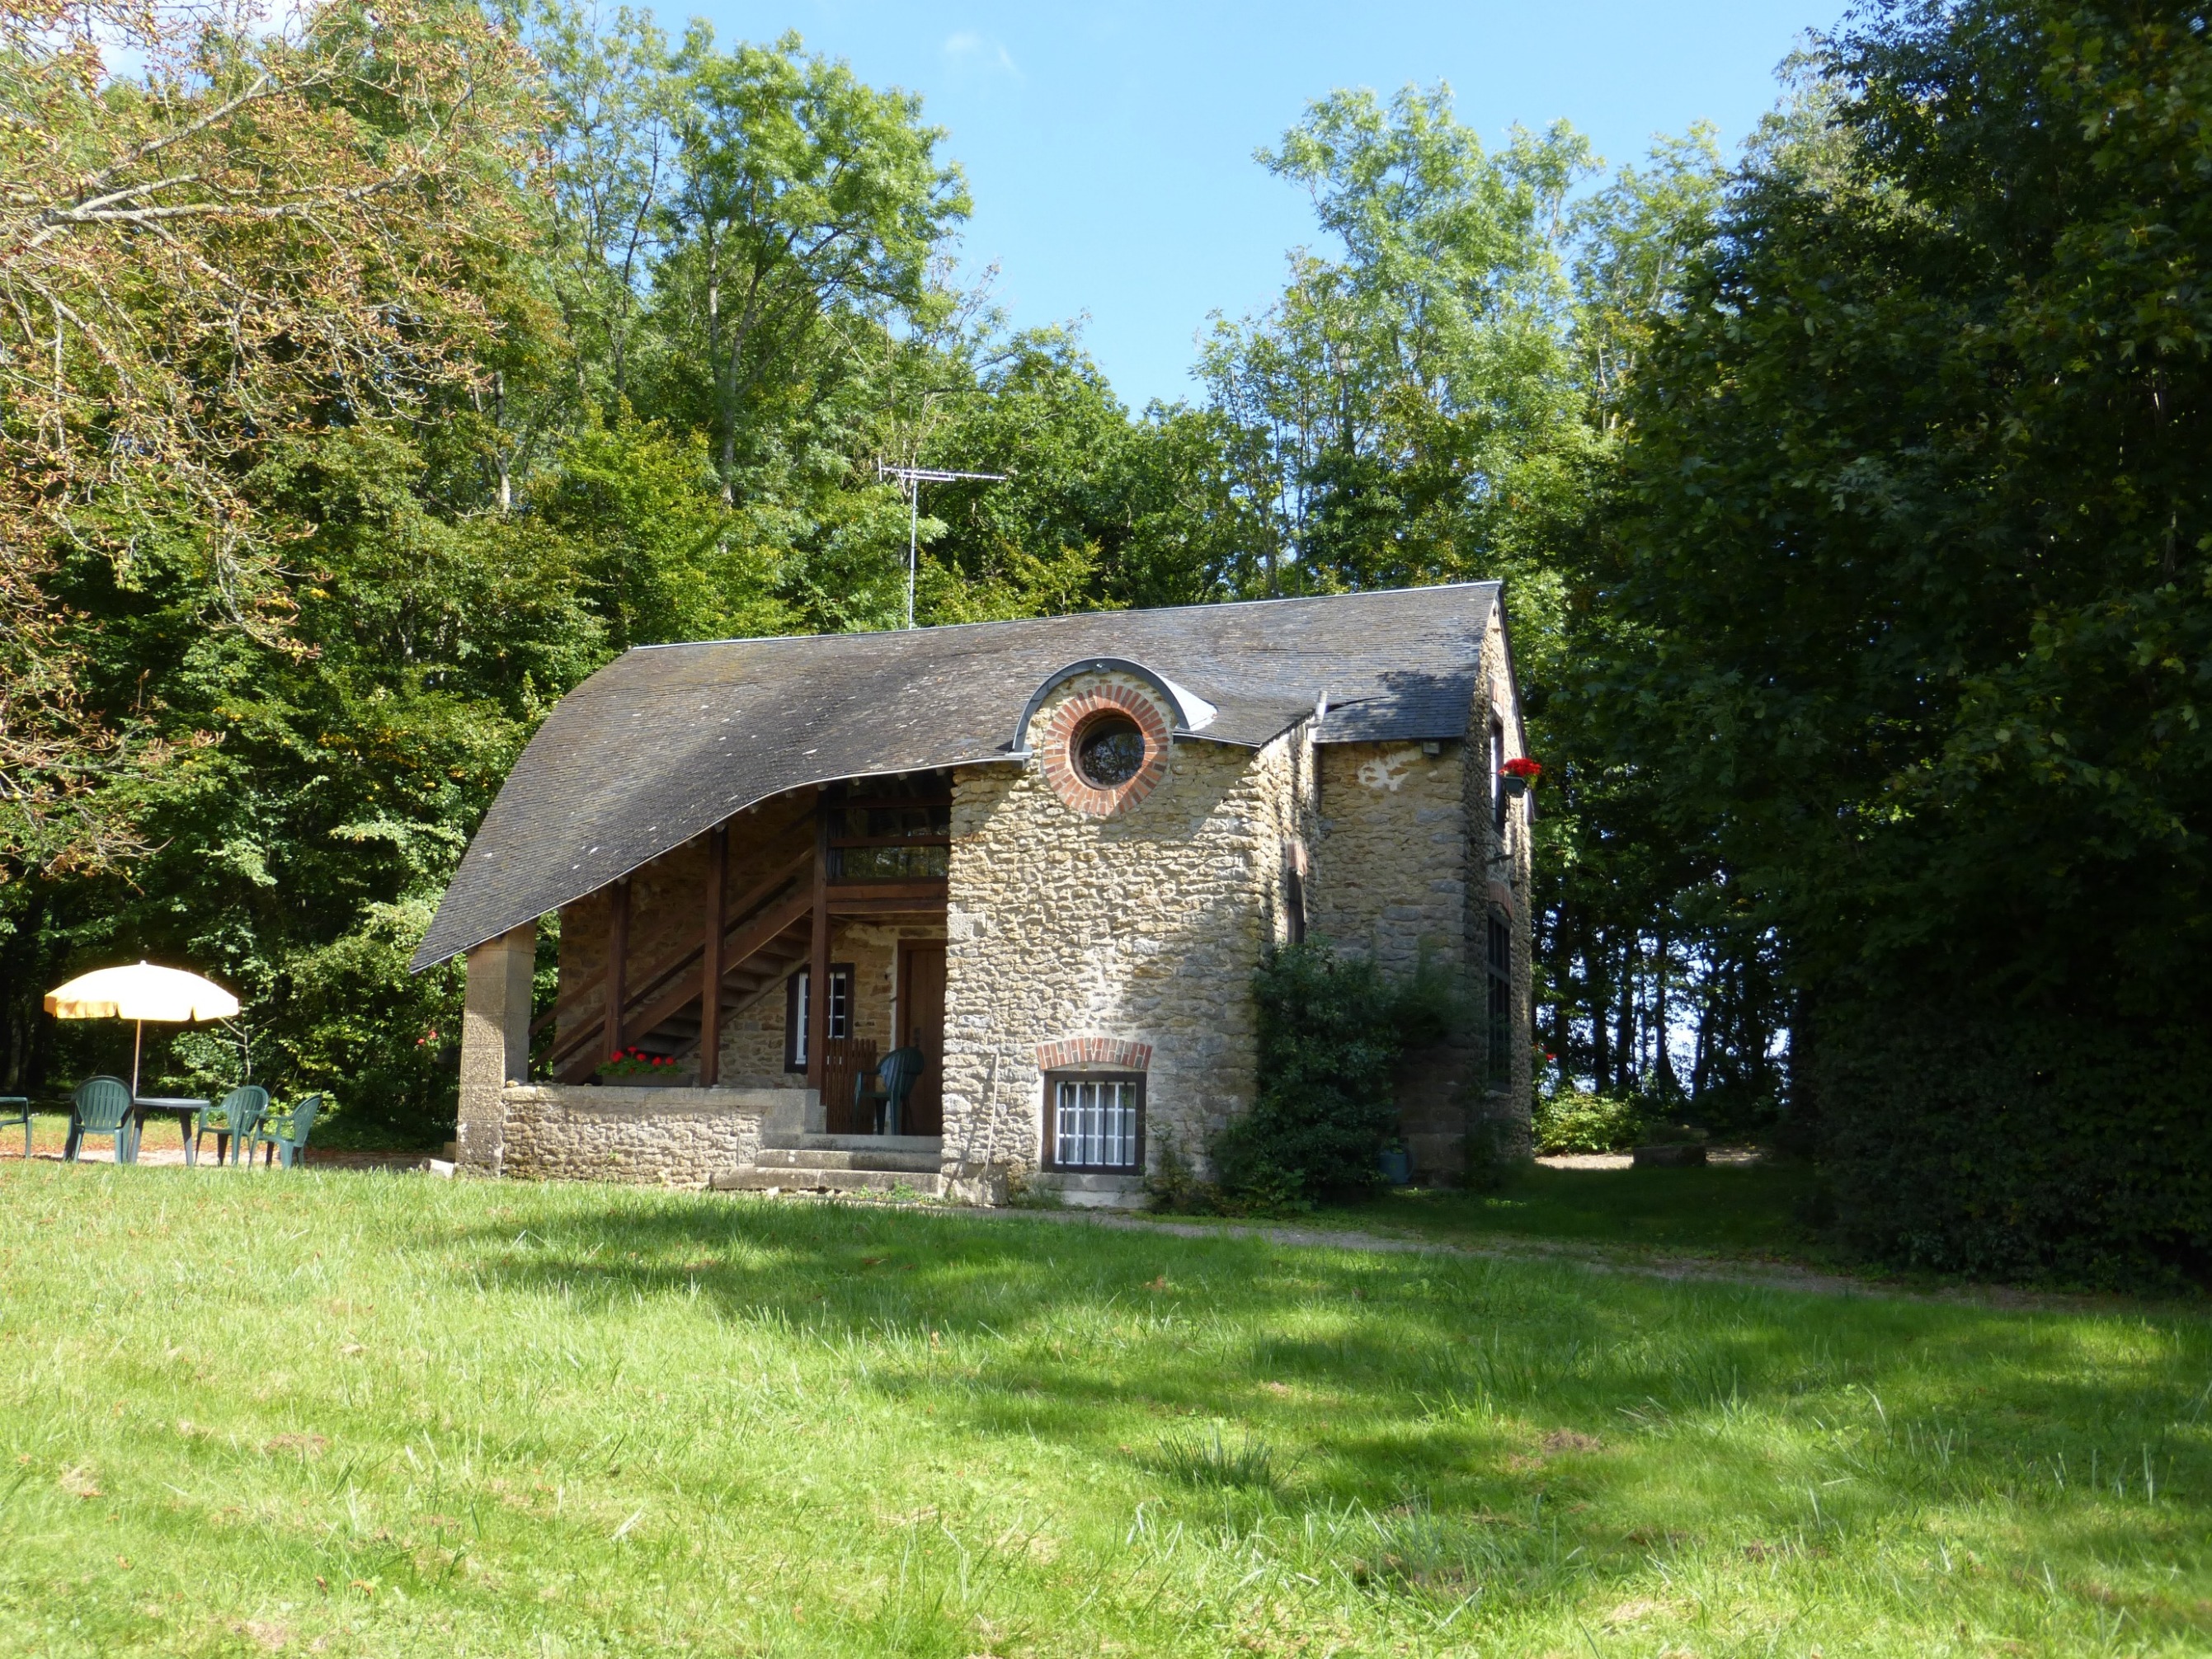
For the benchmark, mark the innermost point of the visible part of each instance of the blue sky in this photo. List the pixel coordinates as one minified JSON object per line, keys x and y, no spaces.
{"x":1109,"y":148}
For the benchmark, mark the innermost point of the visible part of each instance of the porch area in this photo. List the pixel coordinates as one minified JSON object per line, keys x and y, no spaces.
{"x":722,"y":1011}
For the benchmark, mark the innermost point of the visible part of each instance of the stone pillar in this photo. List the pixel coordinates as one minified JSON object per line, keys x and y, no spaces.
{"x":495,"y":1041}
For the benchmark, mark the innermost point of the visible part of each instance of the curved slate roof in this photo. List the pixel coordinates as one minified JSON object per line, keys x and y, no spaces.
{"x":667,"y":741}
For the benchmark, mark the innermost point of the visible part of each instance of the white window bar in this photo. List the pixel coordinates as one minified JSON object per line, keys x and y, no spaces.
{"x":1095,"y":1126}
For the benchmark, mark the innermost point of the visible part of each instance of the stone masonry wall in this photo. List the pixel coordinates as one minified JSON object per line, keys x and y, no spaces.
{"x":1392,"y":870}
{"x":1144,"y":927}
{"x":660,"y":1136}
{"x":1507,"y":869}
{"x":1409,"y":865}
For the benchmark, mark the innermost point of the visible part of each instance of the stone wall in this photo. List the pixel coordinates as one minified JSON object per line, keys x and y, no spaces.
{"x":495,"y":1041}
{"x":1143,"y":926}
{"x":658,"y":1137}
{"x":1391,"y":871}
{"x":1410,"y":866}
{"x":1504,"y":875}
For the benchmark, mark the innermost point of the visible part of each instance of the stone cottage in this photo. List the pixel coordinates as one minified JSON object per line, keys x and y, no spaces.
{"x":1047,"y":853}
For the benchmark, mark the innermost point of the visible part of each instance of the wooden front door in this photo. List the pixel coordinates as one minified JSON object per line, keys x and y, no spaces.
{"x":921,"y":1025}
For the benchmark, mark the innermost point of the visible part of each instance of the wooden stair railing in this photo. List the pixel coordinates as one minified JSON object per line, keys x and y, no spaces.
{"x":795,"y":865}
{"x":748,"y":943}
{"x":656,"y":978}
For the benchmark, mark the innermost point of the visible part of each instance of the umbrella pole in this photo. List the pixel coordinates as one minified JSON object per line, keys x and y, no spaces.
{"x":137,"y":1037}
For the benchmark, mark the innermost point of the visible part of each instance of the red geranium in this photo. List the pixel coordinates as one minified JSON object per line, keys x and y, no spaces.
{"x":1523,"y":768}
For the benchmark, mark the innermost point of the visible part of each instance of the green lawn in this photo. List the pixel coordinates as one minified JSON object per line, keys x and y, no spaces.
{"x":1749,"y":1210}
{"x":361,"y":1414}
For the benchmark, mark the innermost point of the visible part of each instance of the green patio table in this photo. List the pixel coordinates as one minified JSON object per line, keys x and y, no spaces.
{"x":182,"y":1108}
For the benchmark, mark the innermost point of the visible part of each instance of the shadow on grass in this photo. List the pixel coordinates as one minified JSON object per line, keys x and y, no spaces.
{"x":1757,"y":1210}
{"x":1459,"y":1393}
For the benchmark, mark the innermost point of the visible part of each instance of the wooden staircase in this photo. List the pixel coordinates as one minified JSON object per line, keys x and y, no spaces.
{"x":767,"y":935}
{"x":677,"y":1034}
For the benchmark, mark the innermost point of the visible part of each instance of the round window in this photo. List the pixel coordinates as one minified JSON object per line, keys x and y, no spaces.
{"x":1109,"y":750}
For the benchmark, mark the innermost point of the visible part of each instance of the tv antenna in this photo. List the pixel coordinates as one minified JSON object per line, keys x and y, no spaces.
{"x":913,"y":477}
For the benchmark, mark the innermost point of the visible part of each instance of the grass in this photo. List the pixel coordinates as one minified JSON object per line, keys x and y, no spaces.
{"x":357,"y":1414}
{"x":1755,"y":1210}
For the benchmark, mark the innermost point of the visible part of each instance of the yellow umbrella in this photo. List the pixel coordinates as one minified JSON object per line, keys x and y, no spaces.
{"x":141,"y":994}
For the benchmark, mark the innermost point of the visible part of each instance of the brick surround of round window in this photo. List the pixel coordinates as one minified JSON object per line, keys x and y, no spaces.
{"x":1064,"y":731}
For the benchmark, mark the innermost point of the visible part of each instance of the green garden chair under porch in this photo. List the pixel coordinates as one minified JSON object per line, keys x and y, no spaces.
{"x":285,"y":1133}
{"x":234,"y":1123}
{"x":101,"y":1106}
{"x":15,"y":1109}
{"x":894,"y":1082}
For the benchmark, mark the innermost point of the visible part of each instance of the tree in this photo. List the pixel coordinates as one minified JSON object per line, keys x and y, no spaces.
{"x":1392,"y":409}
{"x":1915,"y":575}
{"x":255,"y":231}
{"x":806,"y":197}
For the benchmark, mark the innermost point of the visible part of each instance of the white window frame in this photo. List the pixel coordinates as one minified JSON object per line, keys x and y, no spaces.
{"x":1107,"y":1120}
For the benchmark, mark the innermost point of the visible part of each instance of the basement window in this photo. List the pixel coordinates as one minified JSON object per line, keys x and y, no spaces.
{"x":1094,"y":1122}
{"x":795,"y":992}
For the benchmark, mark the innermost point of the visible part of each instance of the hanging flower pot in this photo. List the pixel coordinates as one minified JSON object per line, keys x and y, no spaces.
{"x":1519,"y":774}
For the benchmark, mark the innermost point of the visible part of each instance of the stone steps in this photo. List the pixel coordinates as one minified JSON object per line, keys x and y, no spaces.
{"x":840,"y":1163}
{"x":783,"y":1157}
{"x":787,"y":1141}
{"x":758,"y":1179}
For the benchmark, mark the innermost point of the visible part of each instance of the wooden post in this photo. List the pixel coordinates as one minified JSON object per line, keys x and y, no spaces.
{"x":617,"y":961}
{"x":710,"y":963}
{"x":817,"y":973}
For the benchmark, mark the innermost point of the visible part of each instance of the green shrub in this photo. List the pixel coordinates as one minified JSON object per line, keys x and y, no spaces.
{"x":2026,"y":1145}
{"x":1331,"y":1032}
{"x":1569,"y":1121}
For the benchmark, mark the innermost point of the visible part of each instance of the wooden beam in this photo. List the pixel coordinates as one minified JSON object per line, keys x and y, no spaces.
{"x":817,"y":974}
{"x":924,"y":888}
{"x":918,"y":906}
{"x":710,"y":961}
{"x":617,"y":964}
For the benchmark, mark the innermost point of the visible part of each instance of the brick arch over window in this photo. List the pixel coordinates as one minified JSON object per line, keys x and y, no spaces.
{"x":1056,"y":752}
{"x":1114,"y":1053}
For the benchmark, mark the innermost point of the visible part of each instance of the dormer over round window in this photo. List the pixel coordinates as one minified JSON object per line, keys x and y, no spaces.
{"x":1102,"y":739}
{"x":1109,"y":749}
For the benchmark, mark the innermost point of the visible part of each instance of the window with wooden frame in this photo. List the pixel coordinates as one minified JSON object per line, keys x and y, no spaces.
{"x":1498,"y":797}
{"x":1499,"y":972}
{"x":892,"y":830}
{"x":795,"y":1009}
{"x":1094,"y":1123}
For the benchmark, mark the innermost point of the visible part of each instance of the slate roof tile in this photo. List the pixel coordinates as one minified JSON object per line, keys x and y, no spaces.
{"x":667,"y":741}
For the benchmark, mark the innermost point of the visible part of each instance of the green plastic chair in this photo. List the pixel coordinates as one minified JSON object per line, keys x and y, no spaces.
{"x":101,"y":1106}
{"x":15,"y":1109}
{"x":285,"y":1133}
{"x":895,"y":1076}
{"x":234,"y":1123}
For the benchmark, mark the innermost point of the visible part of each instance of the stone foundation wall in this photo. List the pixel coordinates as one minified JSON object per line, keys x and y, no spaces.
{"x":1145,"y":927}
{"x":644,"y":1137}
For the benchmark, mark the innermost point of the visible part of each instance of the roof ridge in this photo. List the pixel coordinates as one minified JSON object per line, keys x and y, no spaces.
{"x":1066,"y":615}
